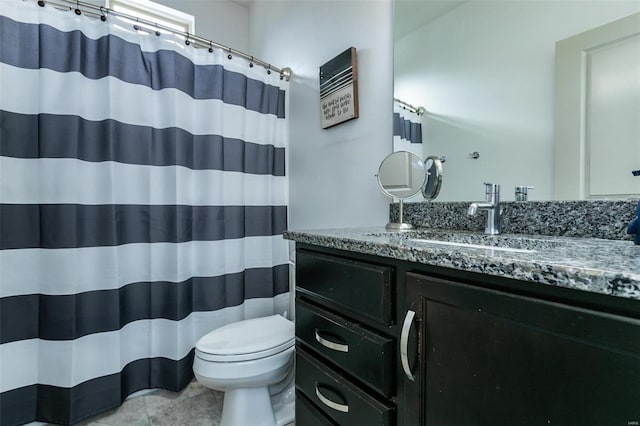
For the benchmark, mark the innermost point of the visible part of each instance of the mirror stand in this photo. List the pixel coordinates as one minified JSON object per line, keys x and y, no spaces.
{"x":400,"y":225}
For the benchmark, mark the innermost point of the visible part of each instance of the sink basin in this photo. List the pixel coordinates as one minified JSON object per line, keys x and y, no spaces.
{"x":505,"y":242}
{"x":467,"y":245}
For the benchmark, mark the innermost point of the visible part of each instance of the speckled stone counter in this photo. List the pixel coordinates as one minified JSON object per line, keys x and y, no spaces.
{"x":596,"y":265}
{"x":586,"y":219}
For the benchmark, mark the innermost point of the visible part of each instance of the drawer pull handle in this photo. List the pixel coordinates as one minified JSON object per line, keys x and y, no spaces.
{"x":329,"y":403}
{"x":404,"y":343}
{"x":331,"y":345}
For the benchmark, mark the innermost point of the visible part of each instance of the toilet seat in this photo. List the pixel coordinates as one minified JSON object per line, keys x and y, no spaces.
{"x":247,"y":340}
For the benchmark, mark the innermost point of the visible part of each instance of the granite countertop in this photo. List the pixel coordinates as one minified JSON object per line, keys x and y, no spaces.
{"x":590,"y":264}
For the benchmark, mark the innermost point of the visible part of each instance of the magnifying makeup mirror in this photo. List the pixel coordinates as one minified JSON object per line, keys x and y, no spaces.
{"x":433,"y":182}
{"x":401,"y":175}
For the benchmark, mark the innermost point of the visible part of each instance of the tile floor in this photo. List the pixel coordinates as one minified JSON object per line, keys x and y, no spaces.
{"x":195,"y":405}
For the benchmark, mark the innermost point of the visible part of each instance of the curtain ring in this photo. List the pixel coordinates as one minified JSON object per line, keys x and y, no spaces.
{"x":229,"y":55}
{"x":41,"y":3}
{"x":77,"y":9}
{"x":157,"y":31}
{"x":210,"y":47}
{"x":103,"y":18}
{"x":251,"y":63}
{"x":268,"y":68}
{"x":136,"y":26}
{"x":187,"y":41}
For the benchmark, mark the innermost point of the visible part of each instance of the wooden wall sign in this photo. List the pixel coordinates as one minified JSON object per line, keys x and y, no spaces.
{"x":339,"y":89}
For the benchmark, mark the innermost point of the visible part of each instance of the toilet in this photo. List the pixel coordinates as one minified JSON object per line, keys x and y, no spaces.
{"x":251,"y":361}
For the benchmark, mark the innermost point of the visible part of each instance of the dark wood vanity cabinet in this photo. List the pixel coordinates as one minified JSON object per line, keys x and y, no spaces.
{"x":387,"y":342}
{"x":477,"y":356}
{"x":345,"y":345}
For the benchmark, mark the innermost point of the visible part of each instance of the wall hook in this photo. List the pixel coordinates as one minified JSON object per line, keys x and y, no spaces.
{"x":475,"y":155}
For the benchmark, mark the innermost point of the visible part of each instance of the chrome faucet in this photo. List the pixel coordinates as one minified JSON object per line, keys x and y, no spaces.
{"x":492,"y":206}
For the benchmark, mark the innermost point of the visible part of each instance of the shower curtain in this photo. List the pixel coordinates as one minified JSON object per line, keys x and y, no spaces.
{"x":142,"y":200}
{"x":407,"y":131}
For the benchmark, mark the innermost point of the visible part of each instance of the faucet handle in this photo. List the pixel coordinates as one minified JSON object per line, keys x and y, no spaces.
{"x":491,"y":188}
{"x":522,"y":192}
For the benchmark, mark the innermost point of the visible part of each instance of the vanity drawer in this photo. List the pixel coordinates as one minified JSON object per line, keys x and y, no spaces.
{"x":308,"y":415}
{"x":366,"y":355}
{"x":362,"y":288}
{"x":341,"y":400}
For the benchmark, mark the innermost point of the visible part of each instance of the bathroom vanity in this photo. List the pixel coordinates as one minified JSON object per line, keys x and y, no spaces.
{"x":454,"y":328}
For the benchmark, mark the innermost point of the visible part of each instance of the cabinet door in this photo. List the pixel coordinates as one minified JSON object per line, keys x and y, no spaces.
{"x":474,"y":356}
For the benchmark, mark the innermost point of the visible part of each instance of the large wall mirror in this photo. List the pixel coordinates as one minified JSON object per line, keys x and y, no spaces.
{"x":485,"y":72}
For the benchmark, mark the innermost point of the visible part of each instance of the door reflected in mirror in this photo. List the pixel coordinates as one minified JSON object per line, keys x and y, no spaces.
{"x":484,"y":72}
{"x":401,"y":175}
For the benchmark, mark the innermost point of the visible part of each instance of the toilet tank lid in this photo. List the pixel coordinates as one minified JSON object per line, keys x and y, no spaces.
{"x":248,"y":336}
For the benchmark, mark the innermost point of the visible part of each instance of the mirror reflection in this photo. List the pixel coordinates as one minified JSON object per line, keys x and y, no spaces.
{"x":401,"y":175}
{"x":485,"y":73}
{"x":432,"y":184}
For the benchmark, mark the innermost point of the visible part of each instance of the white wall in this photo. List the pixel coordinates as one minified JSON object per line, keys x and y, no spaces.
{"x":331,"y":171}
{"x":222,"y":21}
{"x":485,"y":73}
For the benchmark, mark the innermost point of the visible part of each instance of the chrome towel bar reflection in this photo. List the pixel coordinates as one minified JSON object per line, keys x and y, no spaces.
{"x":414,"y":109}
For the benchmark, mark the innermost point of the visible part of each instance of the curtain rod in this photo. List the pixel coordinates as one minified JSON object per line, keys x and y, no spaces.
{"x":416,"y":110}
{"x":101,"y":11}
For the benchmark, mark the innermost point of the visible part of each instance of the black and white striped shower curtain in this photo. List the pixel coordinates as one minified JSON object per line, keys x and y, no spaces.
{"x":407,"y":131}
{"x":142,"y":200}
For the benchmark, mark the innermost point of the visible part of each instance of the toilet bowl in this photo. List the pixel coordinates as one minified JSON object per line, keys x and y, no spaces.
{"x":251,"y":361}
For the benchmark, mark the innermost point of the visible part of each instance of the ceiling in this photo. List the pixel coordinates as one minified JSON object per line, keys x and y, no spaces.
{"x":410,"y":15}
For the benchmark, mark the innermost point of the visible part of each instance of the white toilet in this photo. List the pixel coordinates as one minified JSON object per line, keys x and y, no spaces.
{"x":251,"y":361}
